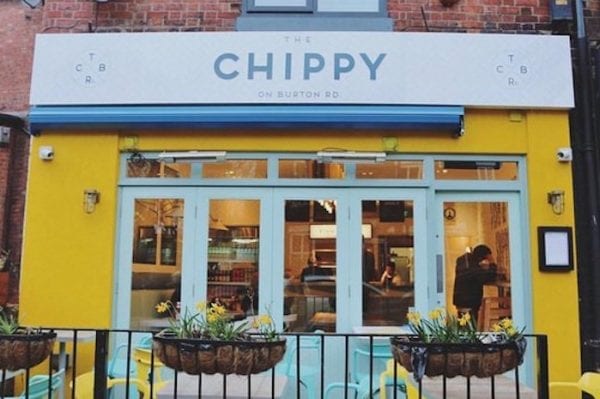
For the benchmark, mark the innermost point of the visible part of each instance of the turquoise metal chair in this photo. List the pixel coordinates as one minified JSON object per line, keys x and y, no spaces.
{"x":310,"y":370}
{"x":38,"y":386}
{"x":117,"y":366}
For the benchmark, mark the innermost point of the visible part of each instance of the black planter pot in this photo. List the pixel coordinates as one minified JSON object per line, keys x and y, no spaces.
{"x":22,"y":351}
{"x":195,"y":356}
{"x":453,"y":359}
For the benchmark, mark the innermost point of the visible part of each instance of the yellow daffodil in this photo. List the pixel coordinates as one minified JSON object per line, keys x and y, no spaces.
{"x":265,"y":319}
{"x":414,"y":318}
{"x":212,"y":318}
{"x":201,"y":306}
{"x":219,"y":309}
{"x":162,"y":307}
{"x":506,"y":323}
{"x":464,"y":319}
{"x":496,"y":328}
{"x":435,"y":314}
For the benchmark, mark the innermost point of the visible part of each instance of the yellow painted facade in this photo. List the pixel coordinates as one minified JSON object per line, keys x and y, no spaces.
{"x":68,"y":266}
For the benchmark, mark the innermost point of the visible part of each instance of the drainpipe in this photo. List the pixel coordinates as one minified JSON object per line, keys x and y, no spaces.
{"x":588,"y":266}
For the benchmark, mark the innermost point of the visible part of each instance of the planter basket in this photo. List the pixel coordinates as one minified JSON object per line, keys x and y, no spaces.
{"x":22,"y":351}
{"x":195,"y":356}
{"x":479,"y":360}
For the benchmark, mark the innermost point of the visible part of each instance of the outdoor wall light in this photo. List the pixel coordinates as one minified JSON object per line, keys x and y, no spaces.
{"x":350,"y":157}
{"x":192,"y":156}
{"x":556,"y":198}
{"x":90,"y":198}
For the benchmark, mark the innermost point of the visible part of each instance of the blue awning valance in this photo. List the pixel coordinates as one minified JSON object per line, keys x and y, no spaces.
{"x":447,"y":118}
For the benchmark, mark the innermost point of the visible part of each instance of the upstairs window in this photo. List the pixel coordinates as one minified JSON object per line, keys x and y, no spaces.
{"x":320,"y":15}
{"x":316,"y":6}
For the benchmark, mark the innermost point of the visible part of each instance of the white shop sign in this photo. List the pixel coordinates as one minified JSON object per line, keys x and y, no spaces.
{"x":479,"y":70}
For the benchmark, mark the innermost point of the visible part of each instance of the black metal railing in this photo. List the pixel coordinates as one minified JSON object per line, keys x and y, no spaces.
{"x":316,"y":365}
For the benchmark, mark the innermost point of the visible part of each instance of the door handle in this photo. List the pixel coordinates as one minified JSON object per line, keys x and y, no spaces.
{"x":439,"y":265}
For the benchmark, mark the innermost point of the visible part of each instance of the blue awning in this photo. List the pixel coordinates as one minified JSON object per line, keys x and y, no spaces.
{"x":447,"y":118}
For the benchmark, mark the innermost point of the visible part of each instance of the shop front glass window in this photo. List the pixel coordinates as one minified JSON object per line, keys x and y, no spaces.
{"x":390,"y":170}
{"x":476,"y":170}
{"x":233,"y":243}
{"x":139,"y":166}
{"x":477,"y":253}
{"x":310,"y":169}
{"x":156,"y":270}
{"x":236,"y":169}
{"x":310,"y":265}
{"x":387,"y":262}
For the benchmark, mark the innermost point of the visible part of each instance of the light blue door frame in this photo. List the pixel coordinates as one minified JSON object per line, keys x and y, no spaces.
{"x":124,"y":251}
{"x":520,"y":272}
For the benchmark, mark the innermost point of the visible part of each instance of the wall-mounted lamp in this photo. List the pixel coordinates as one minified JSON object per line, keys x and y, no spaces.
{"x":556,"y":198}
{"x":350,"y":157}
{"x":90,"y":198}
{"x":192,"y":156}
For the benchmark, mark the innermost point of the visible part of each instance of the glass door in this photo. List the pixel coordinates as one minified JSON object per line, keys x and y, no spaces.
{"x":154,"y":225}
{"x":185,"y":245}
{"x":309,"y":256}
{"x":347,"y":250}
{"x":480,"y":266}
{"x":233,"y":267}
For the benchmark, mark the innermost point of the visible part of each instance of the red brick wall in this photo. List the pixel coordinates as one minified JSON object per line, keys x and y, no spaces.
{"x":141,"y":15}
{"x":528,"y":16}
{"x":18,"y":26}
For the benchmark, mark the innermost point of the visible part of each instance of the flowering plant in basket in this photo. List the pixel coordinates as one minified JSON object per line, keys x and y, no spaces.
{"x":214,"y":322}
{"x":449,"y":344}
{"x":207,"y":341}
{"x":22,"y":347}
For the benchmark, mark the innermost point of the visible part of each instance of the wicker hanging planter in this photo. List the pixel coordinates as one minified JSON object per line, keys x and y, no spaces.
{"x":22,"y":351}
{"x":452,"y":359}
{"x":194,"y":356}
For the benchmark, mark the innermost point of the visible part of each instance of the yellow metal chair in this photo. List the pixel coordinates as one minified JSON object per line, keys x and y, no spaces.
{"x":147,"y":371}
{"x":386,"y":379}
{"x":589,"y":383}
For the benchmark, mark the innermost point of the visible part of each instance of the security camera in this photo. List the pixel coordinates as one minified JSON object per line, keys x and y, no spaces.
{"x":46,"y":153}
{"x":564,"y":154}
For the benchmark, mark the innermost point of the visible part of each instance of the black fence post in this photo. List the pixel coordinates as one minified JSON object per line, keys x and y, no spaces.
{"x":100,"y":372}
{"x":542,"y":351}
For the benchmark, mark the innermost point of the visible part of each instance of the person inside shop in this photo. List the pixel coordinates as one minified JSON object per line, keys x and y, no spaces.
{"x":368,"y":266}
{"x":390,"y":278}
{"x":313,"y":271}
{"x":473,"y":270}
{"x":249,"y":296}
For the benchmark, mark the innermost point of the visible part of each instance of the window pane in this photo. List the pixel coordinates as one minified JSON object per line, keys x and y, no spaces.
{"x":238,"y":169}
{"x":387,"y":262}
{"x":310,"y":265}
{"x":156,"y":271}
{"x":233,"y":242}
{"x":478,"y":260}
{"x":348,"y":5}
{"x":476,"y":170}
{"x":138,"y":166}
{"x":310,"y":169}
{"x":390,"y":170}
{"x":280,"y":3}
